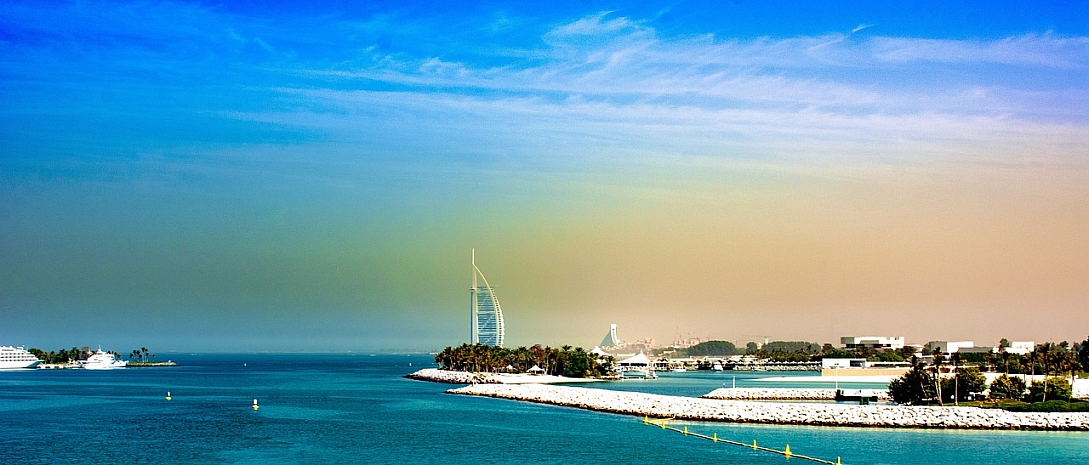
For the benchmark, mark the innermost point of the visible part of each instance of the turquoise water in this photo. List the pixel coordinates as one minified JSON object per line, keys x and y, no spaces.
{"x":359,"y":409}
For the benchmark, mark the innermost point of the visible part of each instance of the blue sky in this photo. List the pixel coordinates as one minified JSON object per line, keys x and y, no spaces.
{"x":201,"y":176}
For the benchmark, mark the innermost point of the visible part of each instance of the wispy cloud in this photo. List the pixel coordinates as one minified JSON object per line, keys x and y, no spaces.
{"x":602,"y":75}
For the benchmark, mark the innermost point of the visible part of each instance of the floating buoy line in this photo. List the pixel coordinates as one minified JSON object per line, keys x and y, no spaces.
{"x":714,"y":438}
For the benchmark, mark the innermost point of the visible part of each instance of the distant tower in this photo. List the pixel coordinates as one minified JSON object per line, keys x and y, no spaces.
{"x":610,"y":339}
{"x":486,"y":317}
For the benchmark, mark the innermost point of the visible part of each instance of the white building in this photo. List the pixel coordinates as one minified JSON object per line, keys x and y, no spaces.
{"x":1021,"y":347}
{"x":485,"y":313}
{"x":843,"y":363}
{"x":873,"y":342}
{"x":948,"y":346}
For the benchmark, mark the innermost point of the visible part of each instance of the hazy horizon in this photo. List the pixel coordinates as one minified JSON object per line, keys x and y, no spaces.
{"x":294,"y":177}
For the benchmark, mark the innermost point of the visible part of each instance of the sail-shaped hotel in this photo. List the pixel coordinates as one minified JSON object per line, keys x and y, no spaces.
{"x":486,"y":315}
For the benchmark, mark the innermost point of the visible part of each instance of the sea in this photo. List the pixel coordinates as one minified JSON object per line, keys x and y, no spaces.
{"x":359,"y":408}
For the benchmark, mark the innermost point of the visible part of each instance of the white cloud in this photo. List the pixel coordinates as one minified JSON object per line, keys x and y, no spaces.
{"x":605,"y":81}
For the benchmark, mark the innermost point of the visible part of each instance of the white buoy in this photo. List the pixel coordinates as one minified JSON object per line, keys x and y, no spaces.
{"x":255,"y":407}
{"x":167,"y":395}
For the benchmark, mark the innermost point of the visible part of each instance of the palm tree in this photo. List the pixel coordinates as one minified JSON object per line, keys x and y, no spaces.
{"x":956,"y":378}
{"x":937,"y":354}
{"x":1045,"y":350}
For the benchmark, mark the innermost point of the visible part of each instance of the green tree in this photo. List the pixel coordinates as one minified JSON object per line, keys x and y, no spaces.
{"x":1052,"y":386}
{"x":713,"y":348}
{"x":938,"y":359}
{"x":792,"y":346}
{"x":1083,"y":355}
{"x":955,"y":357}
{"x":914,"y":387}
{"x":1005,"y":387}
{"x":890,"y":356}
{"x":1045,"y":358}
{"x":906,"y":352}
{"x":967,"y":381}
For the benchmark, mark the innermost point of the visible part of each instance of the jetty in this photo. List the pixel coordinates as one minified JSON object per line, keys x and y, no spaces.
{"x":815,"y":414}
{"x":785,"y":394}
{"x":140,"y":364}
{"x":465,"y":377}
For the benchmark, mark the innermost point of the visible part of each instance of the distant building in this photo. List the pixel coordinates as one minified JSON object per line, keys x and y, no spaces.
{"x":610,"y":339}
{"x":872,"y":342}
{"x":843,"y":363}
{"x":949,"y":346}
{"x":1021,"y":347}
{"x":486,"y":314}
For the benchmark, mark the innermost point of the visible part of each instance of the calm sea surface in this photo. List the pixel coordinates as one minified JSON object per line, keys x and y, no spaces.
{"x":359,"y":409}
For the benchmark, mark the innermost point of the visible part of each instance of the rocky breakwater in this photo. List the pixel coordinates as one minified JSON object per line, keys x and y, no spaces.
{"x":436,"y":375}
{"x":697,"y":409}
{"x":780,"y":394}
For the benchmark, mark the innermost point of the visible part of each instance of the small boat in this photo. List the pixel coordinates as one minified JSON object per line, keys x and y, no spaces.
{"x":103,"y":361}
{"x":678,"y":369}
{"x":716,"y":367}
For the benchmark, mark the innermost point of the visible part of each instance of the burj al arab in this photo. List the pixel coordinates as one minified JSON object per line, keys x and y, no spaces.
{"x":486,"y":315}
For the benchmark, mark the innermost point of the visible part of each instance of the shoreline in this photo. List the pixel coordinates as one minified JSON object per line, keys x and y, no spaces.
{"x":810,"y":414}
{"x":436,"y":375}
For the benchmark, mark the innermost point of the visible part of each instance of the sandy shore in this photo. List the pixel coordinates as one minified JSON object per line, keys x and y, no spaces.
{"x":818,"y":414}
{"x":465,"y":377}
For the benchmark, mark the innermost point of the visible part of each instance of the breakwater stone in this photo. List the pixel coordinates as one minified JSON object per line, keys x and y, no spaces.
{"x":436,"y":375}
{"x":780,"y":394}
{"x":817,"y":414}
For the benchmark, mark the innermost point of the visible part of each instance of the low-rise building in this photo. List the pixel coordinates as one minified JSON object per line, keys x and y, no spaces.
{"x":843,"y":363}
{"x":948,"y":346}
{"x":1021,"y":347}
{"x":872,"y":342}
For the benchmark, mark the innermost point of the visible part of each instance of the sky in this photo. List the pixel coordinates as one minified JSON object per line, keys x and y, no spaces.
{"x":312,"y":176}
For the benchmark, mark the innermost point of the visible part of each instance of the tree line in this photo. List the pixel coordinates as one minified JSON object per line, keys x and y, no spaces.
{"x":924,"y":384}
{"x":1062,"y":357}
{"x":573,"y":362}
{"x":76,"y":354}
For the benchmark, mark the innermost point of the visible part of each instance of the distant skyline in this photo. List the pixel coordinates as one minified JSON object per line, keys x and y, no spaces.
{"x":195,"y":176}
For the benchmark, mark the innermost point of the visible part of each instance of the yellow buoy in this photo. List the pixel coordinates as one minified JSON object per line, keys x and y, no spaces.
{"x":255,"y":407}
{"x":714,"y":437}
{"x":753,"y":444}
{"x":786,"y":451}
{"x":167,"y":395}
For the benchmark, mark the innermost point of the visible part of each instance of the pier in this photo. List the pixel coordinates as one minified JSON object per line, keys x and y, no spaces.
{"x":785,"y":394}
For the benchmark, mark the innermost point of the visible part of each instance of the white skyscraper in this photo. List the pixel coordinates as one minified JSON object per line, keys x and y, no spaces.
{"x":486,"y":315}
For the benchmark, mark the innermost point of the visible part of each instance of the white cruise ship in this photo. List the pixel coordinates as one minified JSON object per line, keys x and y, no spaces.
{"x":103,"y":361}
{"x":16,"y":357}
